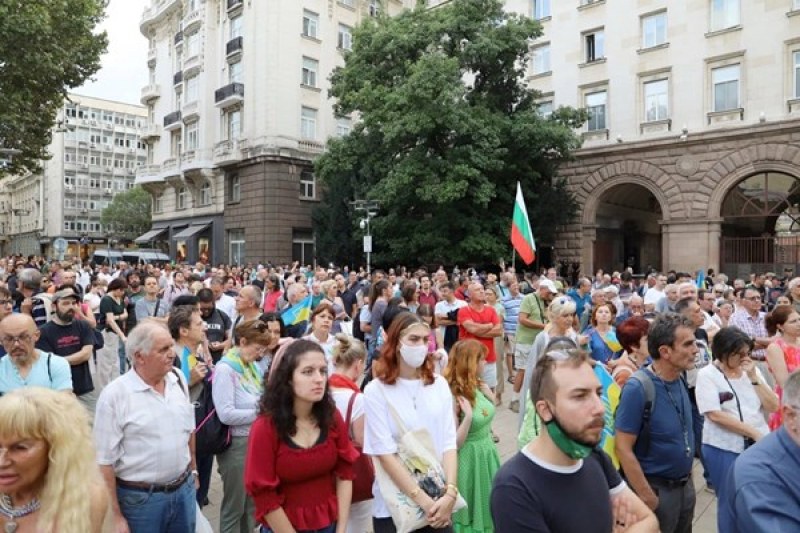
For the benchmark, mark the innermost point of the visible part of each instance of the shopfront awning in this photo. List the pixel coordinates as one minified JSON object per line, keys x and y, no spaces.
{"x":190,"y":231}
{"x":150,"y":235}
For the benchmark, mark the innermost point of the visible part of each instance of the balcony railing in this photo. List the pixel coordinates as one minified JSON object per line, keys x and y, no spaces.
{"x":177,"y":78}
{"x":233,"y":92}
{"x":234,"y":46}
{"x":149,"y":92}
{"x":172,"y":118}
{"x":233,"y":4}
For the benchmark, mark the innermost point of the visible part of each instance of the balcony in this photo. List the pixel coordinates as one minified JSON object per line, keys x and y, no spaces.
{"x":172,"y":121}
{"x":227,"y":153}
{"x":192,"y":21}
{"x":234,"y":4}
{"x":231,"y":94}
{"x":190,"y":111}
{"x":177,"y":78}
{"x":192,"y":65}
{"x":152,"y":53}
{"x":158,"y":12}
{"x":178,"y":39}
{"x":149,"y":132}
{"x":310,"y":147}
{"x":234,"y":47}
{"x":150,"y":92}
{"x":171,"y":168}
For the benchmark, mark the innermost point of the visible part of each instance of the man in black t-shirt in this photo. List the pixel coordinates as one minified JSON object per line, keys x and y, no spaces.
{"x":218,"y":324}
{"x":560,"y":481}
{"x":72,"y":339}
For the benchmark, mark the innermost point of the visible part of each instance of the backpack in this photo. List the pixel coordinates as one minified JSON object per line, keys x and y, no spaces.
{"x":643,"y":441}
{"x":211,"y":435}
{"x":357,"y":333}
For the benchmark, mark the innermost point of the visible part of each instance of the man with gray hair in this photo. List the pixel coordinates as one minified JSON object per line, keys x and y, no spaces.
{"x":763,"y":485}
{"x":144,"y":437}
{"x":295,"y":294}
{"x":35,"y":303}
{"x":794,"y":293}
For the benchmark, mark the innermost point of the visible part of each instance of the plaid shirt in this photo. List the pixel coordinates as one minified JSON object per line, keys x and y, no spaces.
{"x":754,"y":326}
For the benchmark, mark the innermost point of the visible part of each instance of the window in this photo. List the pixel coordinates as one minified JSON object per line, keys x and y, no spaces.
{"x":345,"y":41}
{"x":307,"y":185}
{"x":192,"y":89}
{"x":191,"y":136}
{"x":234,"y":188}
{"x":235,"y":72}
{"x":176,"y":144}
{"x":541,"y":9}
{"x":795,"y":4}
{"x":725,"y":81}
{"x":796,"y":56}
{"x":205,"y":194}
{"x":69,"y":180}
{"x":308,"y":123}
{"x":236,"y":246}
{"x":158,"y":203}
{"x":343,"y":126}
{"x":541,"y":59}
{"x":656,"y":100}
{"x":724,"y":14}
{"x":596,"y":105}
{"x":310,"y":68}
{"x":233,"y":124}
{"x":374,"y":8}
{"x":545,"y":108}
{"x":182,"y":198}
{"x":303,"y":246}
{"x":236,"y":27}
{"x":594,"y":43}
{"x":193,"y":44}
{"x":348,"y":3}
{"x":654,"y":29}
{"x":310,"y":24}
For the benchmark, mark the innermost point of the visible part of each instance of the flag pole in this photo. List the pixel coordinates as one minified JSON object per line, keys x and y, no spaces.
{"x":514,"y":258}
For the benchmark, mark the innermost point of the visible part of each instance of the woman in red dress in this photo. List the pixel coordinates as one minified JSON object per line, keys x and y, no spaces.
{"x":299,"y":458}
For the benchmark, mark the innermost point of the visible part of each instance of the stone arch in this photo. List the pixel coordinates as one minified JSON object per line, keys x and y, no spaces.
{"x":736,"y":166}
{"x":659,"y":183}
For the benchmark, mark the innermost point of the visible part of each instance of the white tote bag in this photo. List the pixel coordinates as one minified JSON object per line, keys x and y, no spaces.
{"x":415,"y":449}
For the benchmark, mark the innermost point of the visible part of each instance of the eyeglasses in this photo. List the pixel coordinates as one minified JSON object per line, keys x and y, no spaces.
{"x":754,"y":298}
{"x":10,"y":340}
{"x":6,"y":302}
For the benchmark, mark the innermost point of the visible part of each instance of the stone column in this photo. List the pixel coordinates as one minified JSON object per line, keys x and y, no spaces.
{"x":690,"y":245}
{"x":587,"y":250}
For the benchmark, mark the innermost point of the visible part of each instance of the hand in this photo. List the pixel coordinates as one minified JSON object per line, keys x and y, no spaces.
{"x":749,"y":367}
{"x":120,"y":524}
{"x":124,"y":315}
{"x":583,"y":340}
{"x":26,"y":306}
{"x":439,"y":515}
{"x":465,"y":407}
{"x":198,"y":372}
{"x":651,"y":500}
{"x":623,"y":517}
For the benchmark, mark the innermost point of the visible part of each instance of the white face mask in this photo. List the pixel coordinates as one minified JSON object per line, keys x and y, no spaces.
{"x":414,"y":356}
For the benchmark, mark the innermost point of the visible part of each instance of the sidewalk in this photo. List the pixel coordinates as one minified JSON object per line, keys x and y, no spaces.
{"x":505,"y":426}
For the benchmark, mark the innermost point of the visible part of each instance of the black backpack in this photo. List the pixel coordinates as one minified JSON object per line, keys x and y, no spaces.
{"x":211,"y":435}
{"x":357,"y":333}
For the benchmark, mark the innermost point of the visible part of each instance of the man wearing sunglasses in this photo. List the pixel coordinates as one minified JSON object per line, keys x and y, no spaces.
{"x":751,"y":319}
{"x":763,"y":485}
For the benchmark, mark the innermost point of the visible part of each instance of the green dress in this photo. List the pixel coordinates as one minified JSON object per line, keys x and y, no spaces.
{"x":478,"y":462}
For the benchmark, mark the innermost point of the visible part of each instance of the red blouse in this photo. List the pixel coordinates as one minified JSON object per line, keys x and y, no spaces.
{"x":301,"y":480}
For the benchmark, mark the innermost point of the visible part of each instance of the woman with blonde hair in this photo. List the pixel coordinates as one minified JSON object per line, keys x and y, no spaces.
{"x":330,"y":296}
{"x":48,"y":465}
{"x":474,"y":408}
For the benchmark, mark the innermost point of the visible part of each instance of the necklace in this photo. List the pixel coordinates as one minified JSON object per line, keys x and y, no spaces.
{"x":8,"y":510}
{"x":680,"y":412}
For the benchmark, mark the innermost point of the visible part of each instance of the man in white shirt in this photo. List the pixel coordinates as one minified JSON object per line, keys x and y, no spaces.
{"x":143,"y":433}
{"x":446,"y":305}
{"x":223,"y":302}
{"x":655,"y":293}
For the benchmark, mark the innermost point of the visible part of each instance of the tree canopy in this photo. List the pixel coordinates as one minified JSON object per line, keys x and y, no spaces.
{"x":128,"y":215}
{"x":446,"y":127}
{"x":46,"y":48}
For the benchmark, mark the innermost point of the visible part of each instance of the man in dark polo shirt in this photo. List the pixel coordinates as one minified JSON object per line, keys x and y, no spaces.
{"x":218,"y":324}
{"x":72,"y":339}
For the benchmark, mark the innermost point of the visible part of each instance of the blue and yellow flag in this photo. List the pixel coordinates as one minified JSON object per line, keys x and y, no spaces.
{"x":701,"y":279}
{"x":298,"y":313}
{"x":610,"y":397}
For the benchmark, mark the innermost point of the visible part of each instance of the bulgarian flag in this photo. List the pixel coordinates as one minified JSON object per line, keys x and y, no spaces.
{"x":521,"y":233}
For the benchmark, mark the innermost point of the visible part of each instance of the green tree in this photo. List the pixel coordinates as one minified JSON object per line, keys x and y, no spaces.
{"x":447,"y":127}
{"x":128,"y":215}
{"x":46,"y":48}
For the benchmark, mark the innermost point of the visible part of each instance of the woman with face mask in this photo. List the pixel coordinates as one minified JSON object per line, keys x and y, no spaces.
{"x":405,"y":382}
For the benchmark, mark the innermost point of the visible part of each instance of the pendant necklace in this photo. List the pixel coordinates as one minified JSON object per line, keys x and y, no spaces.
{"x":12,"y":513}
{"x":681,"y":411}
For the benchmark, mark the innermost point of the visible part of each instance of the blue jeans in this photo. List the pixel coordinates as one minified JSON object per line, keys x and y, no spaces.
{"x":330,"y":529}
{"x":159,"y":512}
{"x":205,"y":465}
{"x":123,"y":360}
{"x":718,"y":463}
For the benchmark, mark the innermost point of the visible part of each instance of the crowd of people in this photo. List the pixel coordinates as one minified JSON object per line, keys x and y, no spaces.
{"x":336,"y":400}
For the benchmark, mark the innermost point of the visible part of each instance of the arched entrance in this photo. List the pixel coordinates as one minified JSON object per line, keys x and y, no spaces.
{"x":628,"y":229}
{"x":761,"y":225}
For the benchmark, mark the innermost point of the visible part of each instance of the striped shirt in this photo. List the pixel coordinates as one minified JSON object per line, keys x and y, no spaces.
{"x":753,"y":326}
{"x":511,"y":318}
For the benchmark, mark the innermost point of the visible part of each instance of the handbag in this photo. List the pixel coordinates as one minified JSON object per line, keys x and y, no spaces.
{"x":416,"y":452}
{"x":211,"y":435}
{"x":365,"y":472}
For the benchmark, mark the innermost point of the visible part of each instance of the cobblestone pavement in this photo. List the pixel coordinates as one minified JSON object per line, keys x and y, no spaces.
{"x":705,"y":514}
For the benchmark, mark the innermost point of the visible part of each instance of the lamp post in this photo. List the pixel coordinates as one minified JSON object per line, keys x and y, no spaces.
{"x":370,"y":208}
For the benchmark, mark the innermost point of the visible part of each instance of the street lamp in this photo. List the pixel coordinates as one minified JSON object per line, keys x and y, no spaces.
{"x":370,"y":208}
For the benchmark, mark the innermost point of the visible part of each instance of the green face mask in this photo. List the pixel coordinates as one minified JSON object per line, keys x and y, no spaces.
{"x":570,"y":447}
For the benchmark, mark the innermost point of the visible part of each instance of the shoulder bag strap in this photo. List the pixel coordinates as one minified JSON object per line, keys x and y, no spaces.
{"x":349,"y":413}
{"x":393,"y":412}
{"x":49,"y":373}
{"x":158,"y":303}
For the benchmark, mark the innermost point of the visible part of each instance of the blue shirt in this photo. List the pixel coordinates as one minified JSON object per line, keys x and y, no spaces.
{"x":511,"y":317}
{"x":582,"y":304}
{"x":59,"y":377}
{"x":666,"y":457}
{"x":762,"y":490}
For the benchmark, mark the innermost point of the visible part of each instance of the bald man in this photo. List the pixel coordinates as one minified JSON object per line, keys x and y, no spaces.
{"x":24,"y":364}
{"x":481,"y":322}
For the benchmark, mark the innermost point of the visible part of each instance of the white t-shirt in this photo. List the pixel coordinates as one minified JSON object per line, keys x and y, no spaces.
{"x":419,"y":407}
{"x":327,"y":347}
{"x":443,"y":307}
{"x":652,"y":296}
{"x":342,"y":397}
{"x":710,"y":383}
